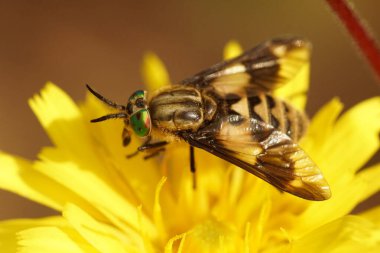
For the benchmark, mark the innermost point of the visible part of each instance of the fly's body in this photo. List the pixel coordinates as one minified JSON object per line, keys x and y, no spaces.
{"x":178,"y":109}
{"x":229,"y":110}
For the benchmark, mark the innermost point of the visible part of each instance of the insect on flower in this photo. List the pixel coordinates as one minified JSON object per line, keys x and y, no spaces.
{"x":229,"y":111}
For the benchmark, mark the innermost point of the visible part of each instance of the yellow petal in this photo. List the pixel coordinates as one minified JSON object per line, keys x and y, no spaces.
{"x":350,"y":234}
{"x":180,"y":214}
{"x":247,"y":237}
{"x":18,"y":175}
{"x":348,"y":191}
{"x":232,"y":49}
{"x":63,"y":122}
{"x":369,"y":177}
{"x":372,"y":214}
{"x":157,"y":210}
{"x":230,"y":193}
{"x":154,"y":72}
{"x":9,"y":230}
{"x":358,"y":129}
{"x":103,"y":237}
{"x":353,"y":141}
{"x":258,"y":228}
{"x":60,"y":117}
{"x":245,"y":208}
{"x":94,"y":189}
{"x":344,"y":199}
{"x":321,"y":127}
{"x":236,"y":185}
{"x":52,"y":239}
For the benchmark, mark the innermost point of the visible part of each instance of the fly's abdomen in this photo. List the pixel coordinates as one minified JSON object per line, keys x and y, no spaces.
{"x":278,"y":113}
{"x":177,"y":109}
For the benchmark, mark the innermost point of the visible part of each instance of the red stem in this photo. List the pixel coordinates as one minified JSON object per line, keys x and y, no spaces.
{"x":359,"y":32}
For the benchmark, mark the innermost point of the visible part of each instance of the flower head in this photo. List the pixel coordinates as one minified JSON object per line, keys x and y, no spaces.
{"x":113,"y":204}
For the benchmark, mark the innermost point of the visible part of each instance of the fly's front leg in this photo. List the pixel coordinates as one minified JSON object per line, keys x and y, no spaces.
{"x":126,"y":136}
{"x":137,"y":151}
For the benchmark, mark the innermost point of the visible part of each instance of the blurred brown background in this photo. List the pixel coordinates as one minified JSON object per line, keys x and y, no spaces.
{"x":101,"y":42}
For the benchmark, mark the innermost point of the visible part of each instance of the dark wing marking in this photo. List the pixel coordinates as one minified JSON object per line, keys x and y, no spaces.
{"x":265,"y":152}
{"x":266,"y":67}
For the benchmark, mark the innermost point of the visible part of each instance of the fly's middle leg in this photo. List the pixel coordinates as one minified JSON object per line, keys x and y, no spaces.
{"x":152,"y":149}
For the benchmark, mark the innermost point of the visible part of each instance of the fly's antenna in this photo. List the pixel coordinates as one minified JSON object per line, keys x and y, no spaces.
{"x":107,"y":101}
{"x":122,"y":115}
{"x":111,"y":116}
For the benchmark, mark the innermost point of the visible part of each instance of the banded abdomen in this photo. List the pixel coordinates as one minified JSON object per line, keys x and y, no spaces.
{"x":280,"y":114}
{"x":274,"y":111}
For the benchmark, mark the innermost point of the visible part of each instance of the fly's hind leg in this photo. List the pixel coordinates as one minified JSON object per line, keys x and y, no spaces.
{"x":192,"y":167}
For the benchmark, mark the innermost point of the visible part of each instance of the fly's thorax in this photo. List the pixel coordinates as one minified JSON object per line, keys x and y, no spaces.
{"x":178,"y":108}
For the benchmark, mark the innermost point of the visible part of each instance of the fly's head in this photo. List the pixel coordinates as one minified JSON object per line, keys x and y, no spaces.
{"x":139,"y":116}
{"x":135,"y":114}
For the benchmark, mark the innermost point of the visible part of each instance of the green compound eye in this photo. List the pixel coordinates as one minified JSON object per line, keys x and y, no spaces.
{"x":137,"y":94}
{"x":140,"y":122}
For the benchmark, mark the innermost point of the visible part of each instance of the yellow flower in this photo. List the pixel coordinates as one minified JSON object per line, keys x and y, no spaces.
{"x":112,"y":204}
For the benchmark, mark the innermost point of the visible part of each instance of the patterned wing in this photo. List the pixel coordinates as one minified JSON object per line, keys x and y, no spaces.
{"x":263,"y":151}
{"x":265,"y":67}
